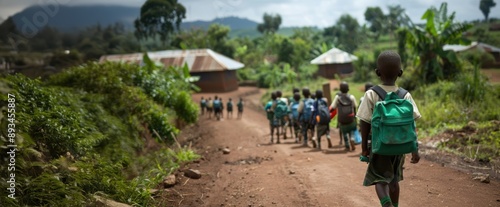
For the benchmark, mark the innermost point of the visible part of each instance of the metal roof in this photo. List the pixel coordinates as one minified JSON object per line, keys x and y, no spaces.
{"x":198,"y":60}
{"x":482,"y":46}
{"x":334,"y":56}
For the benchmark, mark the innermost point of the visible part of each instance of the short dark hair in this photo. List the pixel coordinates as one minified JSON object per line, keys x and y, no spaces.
{"x":319,"y":94}
{"x":368,"y":86}
{"x":306,"y":92}
{"x":295,"y":90}
{"x":296,"y":96}
{"x":389,"y":64}
{"x":273,"y":95}
{"x":344,"y":87}
{"x":278,"y":93}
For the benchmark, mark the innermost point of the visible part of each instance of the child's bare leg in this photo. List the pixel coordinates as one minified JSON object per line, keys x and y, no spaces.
{"x":382,"y":190}
{"x":394,"y":192}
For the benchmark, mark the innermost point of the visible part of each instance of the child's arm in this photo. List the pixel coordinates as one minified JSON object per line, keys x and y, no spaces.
{"x":365,"y":132}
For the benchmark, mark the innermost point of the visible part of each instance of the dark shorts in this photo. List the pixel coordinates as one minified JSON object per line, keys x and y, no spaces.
{"x":384,"y":169}
{"x":209,"y":109}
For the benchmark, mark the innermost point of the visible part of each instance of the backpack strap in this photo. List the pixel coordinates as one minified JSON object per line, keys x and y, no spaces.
{"x":381,"y":92}
{"x":401,"y":92}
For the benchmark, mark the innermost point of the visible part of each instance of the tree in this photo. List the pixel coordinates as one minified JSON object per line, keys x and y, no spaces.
{"x":376,"y":18}
{"x":396,"y":18}
{"x":427,"y":42}
{"x":271,"y":24}
{"x":485,"y":6}
{"x":159,"y":17}
{"x":346,"y":31}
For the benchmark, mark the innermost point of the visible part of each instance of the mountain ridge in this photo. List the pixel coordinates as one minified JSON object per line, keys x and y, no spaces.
{"x":74,"y":18}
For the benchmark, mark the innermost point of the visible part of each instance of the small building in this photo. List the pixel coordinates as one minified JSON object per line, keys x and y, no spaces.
{"x":494,"y":51}
{"x":334,"y":61}
{"x":217,"y":72}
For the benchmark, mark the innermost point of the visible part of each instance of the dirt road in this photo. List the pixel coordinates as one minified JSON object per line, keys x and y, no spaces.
{"x":258,"y":174}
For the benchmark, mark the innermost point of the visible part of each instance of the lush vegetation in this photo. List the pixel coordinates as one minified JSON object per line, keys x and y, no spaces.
{"x":81,"y":133}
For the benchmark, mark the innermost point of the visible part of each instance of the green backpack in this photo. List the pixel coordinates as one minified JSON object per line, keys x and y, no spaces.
{"x":393,"y":125}
{"x":281,"y":109}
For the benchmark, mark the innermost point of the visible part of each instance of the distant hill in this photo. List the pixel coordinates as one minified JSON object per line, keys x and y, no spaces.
{"x":71,"y":18}
{"x":75,"y":18}
{"x":235,"y":23}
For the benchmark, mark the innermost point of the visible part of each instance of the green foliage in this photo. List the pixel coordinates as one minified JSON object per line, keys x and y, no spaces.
{"x":82,"y":131}
{"x":159,"y":18}
{"x":348,"y":32}
{"x":485,"y":6}
{"x":427,"y":43}
{"x":270,"y":25}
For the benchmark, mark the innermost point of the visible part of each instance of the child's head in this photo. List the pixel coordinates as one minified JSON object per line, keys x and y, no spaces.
{"x":202,"y":98}
{"x":389,"y":67}
{"x":230,"y":99}
{"x":209,"y":98}
{"x":273,"y":96}
{"x":319,"y":94}
{"x":241,"y":99}
{"x":216,"y":97}
{"x":295,"y":90}
{"x":296,"y":96}
{"x":278,"y":93}
{"x":313,"y":96}
{"x":368,"y":86}
{"x":220,"y":99}
{"x":344,"y":87}
{"x":306,"y":92}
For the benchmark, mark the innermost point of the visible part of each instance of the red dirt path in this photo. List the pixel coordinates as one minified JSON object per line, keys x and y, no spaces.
{"x":258,"y":174}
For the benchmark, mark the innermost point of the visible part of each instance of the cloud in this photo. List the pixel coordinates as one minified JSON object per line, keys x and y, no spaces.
{"x":320,"y":13}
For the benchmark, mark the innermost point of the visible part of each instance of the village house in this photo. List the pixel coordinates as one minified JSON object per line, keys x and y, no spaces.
{"x":334,"y":62}
{"x":217,"y":72}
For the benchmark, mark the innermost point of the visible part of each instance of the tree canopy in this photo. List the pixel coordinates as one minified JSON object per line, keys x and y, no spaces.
{"x":159,"y":18}
{"x":271,"y":24}
{"x":485,"y":6}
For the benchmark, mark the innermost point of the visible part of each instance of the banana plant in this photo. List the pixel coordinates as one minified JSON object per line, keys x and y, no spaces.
{"x":427,"y":41}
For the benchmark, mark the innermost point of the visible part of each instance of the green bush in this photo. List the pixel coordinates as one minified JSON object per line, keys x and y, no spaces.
{"x":81,"y":132}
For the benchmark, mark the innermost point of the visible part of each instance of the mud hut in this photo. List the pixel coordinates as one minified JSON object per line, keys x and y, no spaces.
{"x":479,"y":46}
{"x":217,"y":72}
{"x":335,"y":61}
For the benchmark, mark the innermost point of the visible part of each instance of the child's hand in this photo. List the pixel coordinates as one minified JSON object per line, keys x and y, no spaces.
{"x":365,"y":153}
{"x":415,"y":157}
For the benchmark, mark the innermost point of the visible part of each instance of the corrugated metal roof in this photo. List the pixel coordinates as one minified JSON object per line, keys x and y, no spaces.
{"x":334,"y":56}
{"x":482,"y":46}
{"x":199,"y":60}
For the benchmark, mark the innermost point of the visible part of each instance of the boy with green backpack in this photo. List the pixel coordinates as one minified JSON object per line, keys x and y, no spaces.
{"x":389,"y":112}
{"x":270,"y":114}
{"x":280,"y":109}
{"x":294,"y":116}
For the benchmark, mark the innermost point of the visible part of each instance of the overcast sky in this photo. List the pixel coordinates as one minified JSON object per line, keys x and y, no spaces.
{"x":319,"y":13}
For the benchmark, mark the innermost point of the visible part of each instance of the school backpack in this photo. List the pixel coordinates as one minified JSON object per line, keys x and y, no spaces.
{"x":210,"y":104}
{"x":307,"y":112}
{"x":230,"y":106}
{"x":393,"y":125}
{"x":294,"y":108}
{"x":217,"y":104}
{"x":323,"y":112}
{"x":345,"y":111}
{"x":281,"y":109}
{"x":269,"y":114}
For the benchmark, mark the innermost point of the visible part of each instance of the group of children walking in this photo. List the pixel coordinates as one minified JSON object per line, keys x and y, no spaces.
{"x":386,"y":114}
{"x":216,"y":107}
{"x":308,"y":116}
